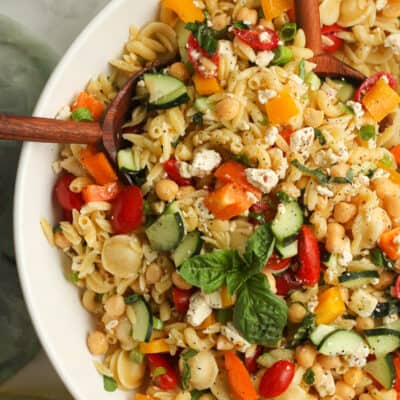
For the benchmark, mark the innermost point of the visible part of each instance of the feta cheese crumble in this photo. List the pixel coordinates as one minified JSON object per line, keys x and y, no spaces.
{"x":393,"y":42}
{"x":263,"y":179}
{"x":198,"y":310}
{"x":357,"y":108}
{"x":265,"y":95}
{"x":301,"y":141}
{"x":325,"y":385}
{"x":271,"y":135}
{"x":203,"y":163}
{"x":64,"y":114}
{"x":324,"y":191}
{"x":363,"y":303}
{"x":359,"y":356}
{"x":381,"y":4}
{"x":230,"y":332}
{"x":263,"y":58}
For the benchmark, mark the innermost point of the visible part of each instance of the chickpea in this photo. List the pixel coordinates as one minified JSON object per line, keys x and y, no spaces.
{"x":335,"y":236}
{"x":166,"y":189}
{"x":115,"y":306}
{"x":329,"y":362}
{"x":391,"y":203}
{"x":344,"y":212}
{"x":227,"y":109}
{"x":179,"y":71}
{"x":353,"y":376}
{"x":296,"y":313}
{"x":220,"y":21}
{"x":61,"y":241}
{"x":97,"y":343}
{"x":247,"y":15}
{"x":339,"y":170}
{"x":306,"y":355}
{"x":153,"y":273}
{"x":385,"y":280}
{"x":179,"y":282}
{"x":363,"y":323}
{"x":345,"y":391}
{"x":184,"y":191}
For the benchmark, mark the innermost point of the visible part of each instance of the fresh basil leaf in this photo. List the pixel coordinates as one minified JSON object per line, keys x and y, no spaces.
{"x":82,"y":114}
{"x":367,"y":132}
{"x":259,"y":315}
{"x":242,"y":159}
{"x":309,"y":377}
{"x":208,"y":271}
{"x":132,"y":298}
{"x":306,"y":326}
{"x":379,"y":259}
{"x":198,"y":118}
{"x":109,"y":384}
{"x":241,"y":25}
{"x":204,"y":35}
{"x":345,"y":179}
{"x":187,"y":372}
{"x":259,"y":248}
{"x":196,"y":394}
{"x":234,"y":280}
{"x":302,"y":69}
{"x":317,"y":173}
{"x":320,"y":136}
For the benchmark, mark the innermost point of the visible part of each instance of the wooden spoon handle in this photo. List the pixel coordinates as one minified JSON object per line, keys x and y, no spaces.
{"x":307,"y":17}
{"x":48,"y":130}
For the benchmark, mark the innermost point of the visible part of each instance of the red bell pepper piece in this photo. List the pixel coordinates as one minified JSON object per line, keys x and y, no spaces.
{"x":330,"y":31}
{"x":167,"y":380}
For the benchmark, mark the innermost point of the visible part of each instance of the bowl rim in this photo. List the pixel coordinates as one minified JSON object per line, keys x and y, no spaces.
{"x":18,"y":202}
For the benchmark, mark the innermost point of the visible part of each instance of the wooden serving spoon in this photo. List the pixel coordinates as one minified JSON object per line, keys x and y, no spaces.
{"x":307,"y":18}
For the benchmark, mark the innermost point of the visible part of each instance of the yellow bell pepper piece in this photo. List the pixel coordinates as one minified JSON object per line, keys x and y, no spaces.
{"x":139,"y":396}
{"x":186,"y":10}
{"x":227,"y":301}
{"x":281,"y":108}
{"x":394,"y":175}
{"x":155,"y":346}
{"x":206,"y":86}
{"x":330,"y":306}
{"x":274,"y":8}
{"x":380,"y":100}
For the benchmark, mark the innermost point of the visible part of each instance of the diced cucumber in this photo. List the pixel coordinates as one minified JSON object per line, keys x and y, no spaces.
{"x":140,"y":315}
{"x":382,"y":340}
{"x":166,"y":232}
{"x":287,"y":251}
{"x":287,"y":221}
{"x":346,"y":90}
{"x":125,"y":161}
{"x":341,"y":343}
{"x":165,"y":91}
{"x":189,"y":247}
{"x":271,"y":357}
{"x":203,"y":104}
{"x":321,"y":332}
{"x":183,"y":36}
{"x":353,"y":280}
{"x":382,"y":370}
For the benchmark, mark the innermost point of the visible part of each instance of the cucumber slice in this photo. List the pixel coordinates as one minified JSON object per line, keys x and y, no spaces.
{"x":172,"y":208}
{"x":321,"y":332}
{"x":341,"y":343}
{"x":287,"y":221}
{"x":166,"y":232}
{"x":330,"y":261}
{"x":382,"y":370}
{"x":165,"y":91}
{"x":141,"y":317}
{"x":382,"y":340}
{"x":203,"y":104}
{"x":125,"y":161}
{"x":182,"y":36}
{"x":346,"y":90}
{"x":353,"y":280}
{"x":287,"y":251}
{"x":395,"y":325}
{"x":189,"y":247}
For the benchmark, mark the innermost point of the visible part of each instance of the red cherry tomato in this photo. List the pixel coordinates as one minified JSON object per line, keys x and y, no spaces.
{"x":370,"y":82}
{"x":127,"y":210}
{"x":195,"y":52}
{"x":286,"y":282}
{"x":66,"y":199}
{"x":181,"y":299}
{"x":276,"y":263}
{"x":169,"y":379}
{"x":309,"y":258}
{"x":251,"y":362}
{"x":277,"y":379}
{"x":260,"y":38}
{"x":268,"y":210}
{"x":172,"y":169}
{"x":330,"y":32}
{"x":396,"y":289}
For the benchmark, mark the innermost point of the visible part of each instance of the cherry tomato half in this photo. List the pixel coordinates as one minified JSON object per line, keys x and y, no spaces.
{"x":335,"y":43}
{"x":286,"y":282}
{"x":127,"y":210}
{"x":276,"y":263}
{"x":66,"y":199}
{"x":260,"y":38}
{"x":370,"y":82}
{"x":181,"y":299}
{"x":172,"y":169}
{"x":277,"y":379}
{"x":250,"y":362}
{"x":169,"y":379}
{"x":195,"y":53}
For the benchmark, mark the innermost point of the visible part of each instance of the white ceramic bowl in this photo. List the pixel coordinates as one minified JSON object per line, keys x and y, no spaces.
{"x":60,"y":321}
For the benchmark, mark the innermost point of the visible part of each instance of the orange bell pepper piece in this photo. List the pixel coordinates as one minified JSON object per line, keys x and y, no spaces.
{"x":186,"y":10}
{"x":380,"y":100}
{"x":206,"y":86}
{"x":281,"y":108}
{"x":228,"y":201}
{"x":105,"y":192}
{"x":387,"y":244}
{"x":239,"y":378}
{"x":139,"y":396}
{"x":396,"y":153}
{"x":95,"y":107}
{"x":274,"y":8}
{"x":98,"y":166}
{"x":210,"y":320}
{"x":330,"y":306}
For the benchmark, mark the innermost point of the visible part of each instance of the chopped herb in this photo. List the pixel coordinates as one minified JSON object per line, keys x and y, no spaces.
{"x":136,"y":356}
{"x":370,"y":173}
{"x":306,"y":326}
{"x":288,"y":31}
{"x":187,"y":372}
{"x":57,"y":228}
{"x":241,"y":25}
{"x":309,"y":377}
{"x":205,"y":36}
{"x":347,"y":109}
{"x":157,"y":324}
{"x":302,"y":69}
{"x":379,"y":259}
{"x":133,"y":298}
{"x":109,"y":384}
{"x":82,"y":114}
{"x":198,"y":118}
{"x":367,"y":132}
{"x":176,"y":142}
{"x":345,"y":179}
{"x":241,"y":158}
{"x":283,"y":55}
{"x":320,"y":136}
{"x":317,"y":173}
{"x":261,"y":13}
{"x":387,"y":161}
{"x":264,"y":121}
{"x":224,"y":315}
{"x":74,"y":277}
{"x":284,"y":197}
{"x":259,"y":217}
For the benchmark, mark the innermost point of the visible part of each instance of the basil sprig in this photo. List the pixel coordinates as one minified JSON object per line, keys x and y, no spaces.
{"x":206,"y":36}
{"x":259,"y":315}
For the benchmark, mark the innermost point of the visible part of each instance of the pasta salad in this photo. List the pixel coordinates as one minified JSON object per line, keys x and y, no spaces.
{"x":246,"y":242}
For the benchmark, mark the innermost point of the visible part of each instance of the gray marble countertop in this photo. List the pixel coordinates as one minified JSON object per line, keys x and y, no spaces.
{"x":34,"y":34}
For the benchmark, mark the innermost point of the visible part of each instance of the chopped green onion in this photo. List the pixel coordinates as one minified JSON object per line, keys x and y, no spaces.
{"x":320,"y":136}
{"x":157,"y":324}
{"x":196,"y":394}
{"x":309,"y":377}
{"x":347,"y":109}
{"x":224,"y":315}
{"x":74,"y":277}
{"x":261,"y":13}
{"x":367,"y":132}
{"x":82,"y":114}
{"x":109,"y":384}
{"x":57,"y":228}
{"x":379,"y":259}
{"x":136,"y":356}
{"x":344,"y":179}
{"x":288,"y":31}
{"x":313,"y":81}
{"x":241,"y":25}
{"x":387,"y":160}
{"x":131,"y":299}
{"x":259,"y":217}
{"x":282,"y":55}
{"x":302,"y":69}
{"x":158,"y":371}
